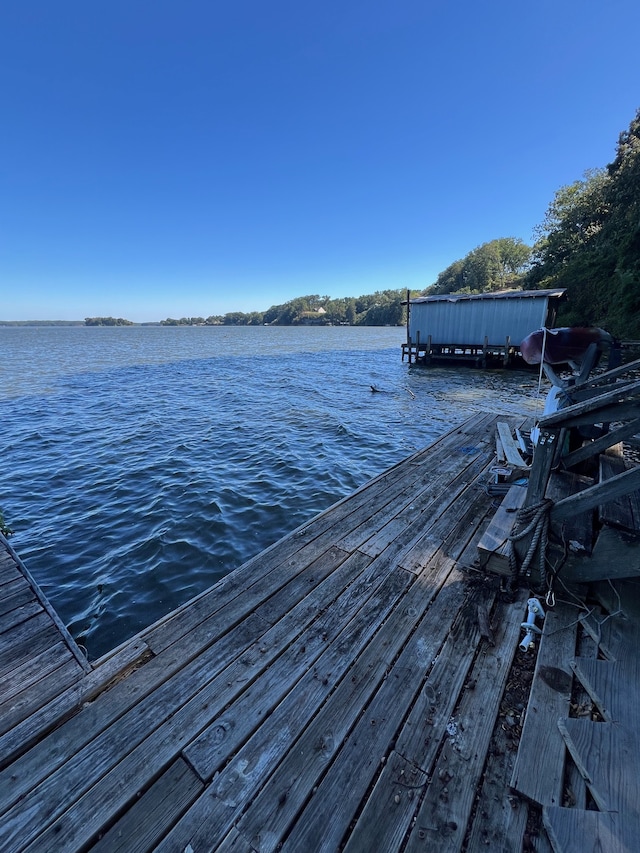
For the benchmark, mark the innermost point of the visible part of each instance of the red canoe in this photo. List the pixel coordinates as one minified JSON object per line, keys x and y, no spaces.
{"x":561,"y":345}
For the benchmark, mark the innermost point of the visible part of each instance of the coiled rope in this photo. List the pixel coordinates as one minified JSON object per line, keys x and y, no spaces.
{"x":535,"y":519}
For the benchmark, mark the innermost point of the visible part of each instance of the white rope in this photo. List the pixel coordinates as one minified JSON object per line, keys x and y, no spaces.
{"x":544,"y":347}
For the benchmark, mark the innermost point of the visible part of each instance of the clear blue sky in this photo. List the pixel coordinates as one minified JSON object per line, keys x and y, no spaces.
{"x":194,"y":157}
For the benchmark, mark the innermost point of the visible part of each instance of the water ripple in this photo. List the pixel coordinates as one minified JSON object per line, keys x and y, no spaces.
{"x":145,"y":464}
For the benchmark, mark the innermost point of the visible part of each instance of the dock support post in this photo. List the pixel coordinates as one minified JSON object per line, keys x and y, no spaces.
{"x":507,"y":355}
{"x":545,"y":453}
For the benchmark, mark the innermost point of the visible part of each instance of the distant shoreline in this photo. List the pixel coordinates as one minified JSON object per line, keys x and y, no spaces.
{"x":65,"y":323}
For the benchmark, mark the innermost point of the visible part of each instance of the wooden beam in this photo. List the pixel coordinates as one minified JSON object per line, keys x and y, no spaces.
{"x":623,"y":410}
{"x":580,"y":393}
{"x":624,"y":483}
{"x":603,"y":378}
{"x":510,"y":447}
{"x":544,"y":455}
{"x":493,"y":548}
{"x":614,"y":396}
{"x":614,"y":556}
{"x":602,"y":443}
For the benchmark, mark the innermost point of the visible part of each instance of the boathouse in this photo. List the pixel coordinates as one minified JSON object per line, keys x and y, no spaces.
{"x":481,"y":328}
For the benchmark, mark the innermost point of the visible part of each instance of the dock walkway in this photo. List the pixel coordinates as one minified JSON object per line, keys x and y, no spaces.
{"x":338,"y":691}
{"x":38,"y":657}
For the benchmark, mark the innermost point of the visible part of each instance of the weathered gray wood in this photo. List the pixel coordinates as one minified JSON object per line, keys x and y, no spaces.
{"x":576,"y":793}
{"x":37,"y":594}
{"x":27,"y":639}
{"x":10,"y":587}
{"x":390,"y":809}
{"x":578,"y":831}
{"x":615,"y":412}
{"x":418,"y":742}
{"x":620,"y":595}
{"x":21,"y":737}
{"x":10,"y":620}
{"x":615,"y":555}
{"x":475,"y":510}
{"x":32,"y":670}
{"x":431,"y":497}
{"x":444,"y":813}
{"x":624,"y":510}
{"x":539,"y":766}
{"x":617,"y":636}
{"x":211,"y":817}
{"x":282,"y":715}
{"x":608,"y":375}
{"x":596,"y":407}
{"x":353,"y":765}
{"x":450,"y":532}
{"x":614,"y":686}
{"x":576,"y":530}
{"x":156,"y":748}
{"x":140,"y":829}
{"x":511,"y":449}
{"x":149,"y":695}
{"x":27,"y":702}
{"x":601,"y":444}
{"x":607,"y":755}
{"x":544,"y":455}
{"x":493,"y":548}
{"x":500,"y":820}
{"x":318,"y":647}
{"x":578,"y":394}
{"x":590,"y":498}
{"x":16,"y":598}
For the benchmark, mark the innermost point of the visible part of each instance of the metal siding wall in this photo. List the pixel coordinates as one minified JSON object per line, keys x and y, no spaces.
{"x":468,"y":321}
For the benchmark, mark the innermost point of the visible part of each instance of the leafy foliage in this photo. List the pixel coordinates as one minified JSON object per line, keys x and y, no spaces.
{"x":382,"y":308}
{"x":107,"y":321}
{"x":496,"y":265}
{"x":589,"y":243}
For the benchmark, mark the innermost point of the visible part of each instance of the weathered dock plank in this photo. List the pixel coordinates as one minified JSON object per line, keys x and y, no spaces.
{"x":578,"y":831}
{"x":539,"y":769}
{"x":308,"y":701}
{"x":143,"y":826}
{"x":444,"y":814}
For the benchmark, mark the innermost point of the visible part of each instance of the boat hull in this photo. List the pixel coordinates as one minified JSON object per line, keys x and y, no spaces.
{"x":561,"y":345}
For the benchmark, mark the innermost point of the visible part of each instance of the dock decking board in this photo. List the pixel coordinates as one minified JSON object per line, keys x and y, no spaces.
{"x":539,"y":769}
{"x":338,"y":691}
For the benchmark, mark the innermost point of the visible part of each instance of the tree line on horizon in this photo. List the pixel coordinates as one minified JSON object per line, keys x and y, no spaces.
{"x":382,"y":308}
{"x":588,"y":244}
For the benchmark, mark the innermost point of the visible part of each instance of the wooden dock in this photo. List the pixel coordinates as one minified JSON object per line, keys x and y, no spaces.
{"x":358,"y":686}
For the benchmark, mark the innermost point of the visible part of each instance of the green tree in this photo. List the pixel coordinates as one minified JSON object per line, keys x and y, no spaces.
{"x":589,"y":243}
{"x":496,"y":265}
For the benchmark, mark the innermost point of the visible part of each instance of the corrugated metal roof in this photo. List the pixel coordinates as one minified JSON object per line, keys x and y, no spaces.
{"x":499,"y":294}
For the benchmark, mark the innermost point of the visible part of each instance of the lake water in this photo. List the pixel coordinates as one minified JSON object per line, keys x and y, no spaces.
{"x":141,"y":464}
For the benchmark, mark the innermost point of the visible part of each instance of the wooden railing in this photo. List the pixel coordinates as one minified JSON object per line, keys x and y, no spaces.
{"x":601,"y":413}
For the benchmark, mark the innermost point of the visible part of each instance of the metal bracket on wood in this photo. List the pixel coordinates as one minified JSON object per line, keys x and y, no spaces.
{"x":534,"y":609}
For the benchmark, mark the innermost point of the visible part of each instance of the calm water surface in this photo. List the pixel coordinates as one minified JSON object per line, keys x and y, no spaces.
{"x":141,"y":464}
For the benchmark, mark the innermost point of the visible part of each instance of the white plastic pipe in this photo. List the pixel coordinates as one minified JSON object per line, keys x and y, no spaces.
{"x":534,"y":608}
